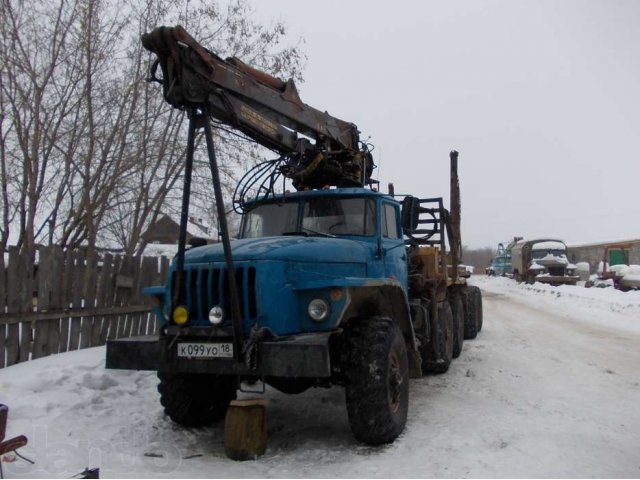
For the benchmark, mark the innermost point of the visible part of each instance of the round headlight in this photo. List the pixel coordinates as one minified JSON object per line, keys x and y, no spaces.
{"x":180,"y":315}
{"x":318,"y":309}
{"x":216,"y":315}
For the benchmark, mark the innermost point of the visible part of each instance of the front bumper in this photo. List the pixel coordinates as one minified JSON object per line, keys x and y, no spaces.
{"x":296,"y":356}
{"x":557,"y":279}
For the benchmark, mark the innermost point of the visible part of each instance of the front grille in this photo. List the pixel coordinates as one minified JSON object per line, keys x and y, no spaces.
{"x":556,"y":271}
{"x":205,"y":287}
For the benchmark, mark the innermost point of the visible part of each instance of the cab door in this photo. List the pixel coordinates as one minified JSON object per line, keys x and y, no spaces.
{"x":393,"y":248}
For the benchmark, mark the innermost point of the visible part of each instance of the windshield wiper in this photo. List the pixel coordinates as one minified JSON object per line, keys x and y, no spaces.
{"x":308,"y":231}
{"x":321,"y":234}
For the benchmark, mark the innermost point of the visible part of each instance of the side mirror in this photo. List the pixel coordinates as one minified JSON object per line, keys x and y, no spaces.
{"x":410,"y":214}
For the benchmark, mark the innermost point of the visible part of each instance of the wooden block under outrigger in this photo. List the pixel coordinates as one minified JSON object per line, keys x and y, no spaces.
{"x":245,"y":429}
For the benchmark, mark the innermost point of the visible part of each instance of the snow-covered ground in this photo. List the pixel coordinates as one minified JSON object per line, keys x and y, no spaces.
{"x":550,"y":388}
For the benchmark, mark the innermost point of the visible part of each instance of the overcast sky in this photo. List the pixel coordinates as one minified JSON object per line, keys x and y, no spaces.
{"x":541,"y":98}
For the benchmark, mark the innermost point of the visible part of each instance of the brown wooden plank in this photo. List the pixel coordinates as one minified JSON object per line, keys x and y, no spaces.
{"x":56,"y":258}
{"x":11,"y":319}
{"x":103,"y":271}
{"x":3,"y":350}
{"x":135,"y":298}
{"x":89,"y":297}
{"x":65,"y":298}
{"x":161,"y":280}
{"x":26,"y":303}
{"x":114,"y":320}
{"x":148,"y":273}
{"x":3,"y":304}
{"x":13,"y":306}
{"x":123,"y":294}
{"x":41,"y":329}
{"x":76,"y":297}
{"x":3,"y":284}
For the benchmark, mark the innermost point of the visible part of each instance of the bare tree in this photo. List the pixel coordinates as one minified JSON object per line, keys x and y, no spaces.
{"x":155,"y":187}
{"x":90,"y":152}
{"x":33,"y":46}
{"x":480,"y":258}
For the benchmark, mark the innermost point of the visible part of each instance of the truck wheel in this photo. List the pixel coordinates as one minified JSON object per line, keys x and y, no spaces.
{"x":444,"y":336}
{"x":470,"y":305}
{"x":457,"y":310}
{"x":195,"y":400}
{"x":377,"y":380}
{"x":478,"y":303}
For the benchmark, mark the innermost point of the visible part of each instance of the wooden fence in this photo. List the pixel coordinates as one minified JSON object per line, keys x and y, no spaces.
{"x":72,"y":299}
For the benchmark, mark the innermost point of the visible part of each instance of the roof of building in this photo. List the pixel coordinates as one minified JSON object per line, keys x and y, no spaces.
{"x":620,"y":243}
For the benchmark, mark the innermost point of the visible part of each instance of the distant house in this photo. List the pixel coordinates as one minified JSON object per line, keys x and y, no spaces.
{"x":619,"y":252}
{"x":166,"y":230}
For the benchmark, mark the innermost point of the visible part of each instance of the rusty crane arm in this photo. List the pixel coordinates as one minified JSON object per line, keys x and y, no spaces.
{"x":320,"y":149}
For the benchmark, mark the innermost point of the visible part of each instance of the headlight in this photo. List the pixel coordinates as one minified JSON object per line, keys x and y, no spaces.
{"x":180,"y":315}
{"x":318,"y":309}
{"x":216,"y":315}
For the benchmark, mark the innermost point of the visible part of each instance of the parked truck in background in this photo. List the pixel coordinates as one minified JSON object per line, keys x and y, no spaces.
{"x":501,"y":264}
{"x":542,"y":260}
{"x":333,"y":284}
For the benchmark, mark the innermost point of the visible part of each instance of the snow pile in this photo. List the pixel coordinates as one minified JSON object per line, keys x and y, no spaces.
{"x":593,"y":304}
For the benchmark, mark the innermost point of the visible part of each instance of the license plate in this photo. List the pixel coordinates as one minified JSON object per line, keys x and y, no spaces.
{"x":205,"y":350}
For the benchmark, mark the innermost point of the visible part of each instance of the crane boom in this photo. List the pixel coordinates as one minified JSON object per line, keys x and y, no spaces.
{"x":319,"y":149}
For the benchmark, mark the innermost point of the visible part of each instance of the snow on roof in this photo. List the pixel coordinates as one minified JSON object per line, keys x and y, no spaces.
{"x":604,"y":243}
{"x":549,"y":245}
{"x":160,"y":250}
{"x":197,"y":230}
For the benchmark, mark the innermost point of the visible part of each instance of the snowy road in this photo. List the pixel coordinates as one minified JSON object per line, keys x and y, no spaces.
{"x":550,"y":388}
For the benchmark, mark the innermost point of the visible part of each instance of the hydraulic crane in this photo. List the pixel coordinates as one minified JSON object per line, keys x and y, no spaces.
{"x":319,"y":149}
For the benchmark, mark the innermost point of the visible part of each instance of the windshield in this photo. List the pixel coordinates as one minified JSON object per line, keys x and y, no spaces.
{"x":270,"y":220}
{"x":339,"y":216}
{"x":536,"y":254}
{"x":330,"y":216}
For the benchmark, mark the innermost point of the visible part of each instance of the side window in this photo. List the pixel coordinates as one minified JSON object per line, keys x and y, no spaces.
{"x":389,"y":221}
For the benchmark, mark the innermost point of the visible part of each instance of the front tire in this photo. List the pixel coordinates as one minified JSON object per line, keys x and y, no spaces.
{"x":195,"y":400}
{"x":377,"y":380}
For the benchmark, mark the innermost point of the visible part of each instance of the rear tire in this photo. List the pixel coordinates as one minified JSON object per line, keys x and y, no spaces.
{"x":444,"y":337}
{"x":478,"y":302}
{"x":457,"y":310}
{"x":377,"y":380}
{"x":470,"y":313}
{"x":195,"y":400}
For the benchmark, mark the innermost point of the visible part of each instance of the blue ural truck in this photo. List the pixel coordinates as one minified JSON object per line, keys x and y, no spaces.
{"x":332,"y":283}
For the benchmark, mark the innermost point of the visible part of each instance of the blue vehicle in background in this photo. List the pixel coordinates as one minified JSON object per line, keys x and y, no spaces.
{"x":501,"y":263}
{"x":332,"y":284}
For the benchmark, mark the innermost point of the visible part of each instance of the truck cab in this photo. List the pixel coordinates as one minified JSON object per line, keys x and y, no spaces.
{"x":543,"y":260}
{"x":295,"y":259}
